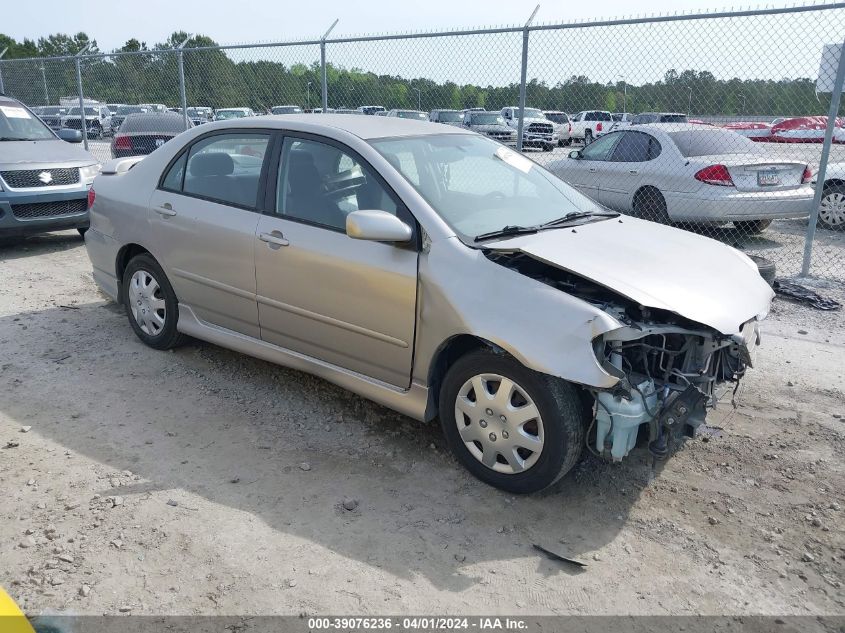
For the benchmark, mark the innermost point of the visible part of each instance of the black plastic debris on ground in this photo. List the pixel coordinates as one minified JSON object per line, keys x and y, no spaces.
{"x":802,"y":294}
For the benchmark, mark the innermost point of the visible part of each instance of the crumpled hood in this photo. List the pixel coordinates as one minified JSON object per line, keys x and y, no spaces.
{"x":656,"y":266}
{"x":42,"y":154}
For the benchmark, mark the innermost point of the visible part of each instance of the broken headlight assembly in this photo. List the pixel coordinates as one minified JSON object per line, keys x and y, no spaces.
{"x":670,"y":372}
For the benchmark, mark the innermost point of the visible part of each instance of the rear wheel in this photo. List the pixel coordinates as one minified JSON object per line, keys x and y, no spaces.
{"x":752,"y":227}
{"x":510,"y":426}
{"x":766,"y":268}
{"x":832,"y":208}
{"x":150,"y":303}
{"x":82,"y":230}
{"x":588,"y":137}
{"x":649,"y":204}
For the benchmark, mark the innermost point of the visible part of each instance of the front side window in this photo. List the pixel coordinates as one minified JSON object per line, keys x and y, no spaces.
{"x":477,"y":185}
{"x":321,"y":184}
{"x":601,"y":148}
{"x":226,"y":168}
{"x":636,"y":147}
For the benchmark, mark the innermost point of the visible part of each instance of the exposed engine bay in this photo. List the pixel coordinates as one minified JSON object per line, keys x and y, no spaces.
{"x":670,"y":368}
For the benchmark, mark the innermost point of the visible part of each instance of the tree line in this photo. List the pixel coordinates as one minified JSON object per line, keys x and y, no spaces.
{"x":213,"y":78}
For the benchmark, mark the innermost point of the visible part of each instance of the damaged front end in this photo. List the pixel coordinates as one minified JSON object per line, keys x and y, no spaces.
{"x":670,"y":372}
{"x":670,"y":369}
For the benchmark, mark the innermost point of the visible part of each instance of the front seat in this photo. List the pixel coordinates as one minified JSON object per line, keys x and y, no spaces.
{"x":306,"y":197}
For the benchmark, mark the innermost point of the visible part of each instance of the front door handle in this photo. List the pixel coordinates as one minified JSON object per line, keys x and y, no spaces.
{"x":165,"y":210}
{"x":592,"y":170}
{"x":633,"y":171}
{"x":274,"y":238}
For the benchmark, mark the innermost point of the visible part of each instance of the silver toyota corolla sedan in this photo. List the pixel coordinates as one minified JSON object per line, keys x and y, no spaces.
{"x":435,"y":271}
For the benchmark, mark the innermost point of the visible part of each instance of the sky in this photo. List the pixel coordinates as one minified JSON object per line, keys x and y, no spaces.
{"x":230,"y":21}
{"x":758,"y":47}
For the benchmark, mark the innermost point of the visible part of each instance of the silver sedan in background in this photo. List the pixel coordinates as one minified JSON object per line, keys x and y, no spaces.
{"x":435,"y":271}
{"x":683,"y":172}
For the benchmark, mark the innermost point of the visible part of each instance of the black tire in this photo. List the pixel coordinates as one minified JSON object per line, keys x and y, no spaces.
{"x":559,"y":407}
{"x":649,"y":204}
{"x":168,"y":337}
{"x":96,"y":131}
{"x":588,"y":137}
{"x":831,"y":215}
{"x":567,"y":142}
{"x":767,"y":268}
{"x":548,"y":147}
{"x":752,"y":227}
{"x":82,"y":230}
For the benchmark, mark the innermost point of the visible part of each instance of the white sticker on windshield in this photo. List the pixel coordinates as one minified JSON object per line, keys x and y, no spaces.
{"x":14,"y":112}
{"x":514,"y":160}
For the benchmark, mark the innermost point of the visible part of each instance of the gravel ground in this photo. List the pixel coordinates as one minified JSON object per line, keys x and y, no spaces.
{"x":205,"y":482}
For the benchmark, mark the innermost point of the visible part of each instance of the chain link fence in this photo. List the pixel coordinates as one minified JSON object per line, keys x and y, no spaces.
{"x":711,"y":122}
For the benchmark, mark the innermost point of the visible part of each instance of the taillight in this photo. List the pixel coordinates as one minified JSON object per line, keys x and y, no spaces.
{"x":598,"y":126}
{"x":121,"y":141}
{"x":91,"y":196}
{"x":807,"y":176}
{"x":715,"y":175}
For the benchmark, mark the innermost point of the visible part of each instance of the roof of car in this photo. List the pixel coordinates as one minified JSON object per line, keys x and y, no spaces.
{"x":365,"y":127}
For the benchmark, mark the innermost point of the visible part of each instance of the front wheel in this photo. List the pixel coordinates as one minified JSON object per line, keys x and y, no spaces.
{"x":150,"y":303}
{"x":511,"y":427}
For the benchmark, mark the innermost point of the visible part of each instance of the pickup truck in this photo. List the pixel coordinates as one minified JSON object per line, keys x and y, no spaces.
{"x":588,"y":125}
{"x":537,"y":130}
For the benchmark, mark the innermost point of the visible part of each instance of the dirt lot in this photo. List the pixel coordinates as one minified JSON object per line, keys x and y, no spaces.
{"x":203,"y":481}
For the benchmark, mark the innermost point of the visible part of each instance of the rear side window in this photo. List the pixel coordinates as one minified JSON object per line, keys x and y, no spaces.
{"x":173,"y":179}
{"x":226,"y":168}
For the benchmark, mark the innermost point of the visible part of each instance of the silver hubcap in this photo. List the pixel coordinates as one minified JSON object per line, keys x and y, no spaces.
{"x":147,"y":302}
{"x":832,"y":209}
{"x":499,"y":423}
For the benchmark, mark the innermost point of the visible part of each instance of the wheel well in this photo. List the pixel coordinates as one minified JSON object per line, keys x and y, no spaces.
{"x":446,"y":355}
{"x":833,"y":182}
{"x":124,"y":255}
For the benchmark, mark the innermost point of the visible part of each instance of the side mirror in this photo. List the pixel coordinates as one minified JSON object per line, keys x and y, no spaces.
{"x":71,"y":136}
{"x":575,"y":154}
{"x":379,"y":226}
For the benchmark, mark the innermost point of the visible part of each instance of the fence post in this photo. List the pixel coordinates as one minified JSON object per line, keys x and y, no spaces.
{"x":323,"y":66}
{"x":2,"y":88}
{"x":523,"y":78}
{"x":820,"y":176}
{"x":83,"y":126}
{"x":183,"y":97}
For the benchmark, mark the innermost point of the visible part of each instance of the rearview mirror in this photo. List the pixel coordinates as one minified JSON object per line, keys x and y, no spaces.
{"x":71,"y":136}
{"x":575,"y":153}
{"x":379,"y":226}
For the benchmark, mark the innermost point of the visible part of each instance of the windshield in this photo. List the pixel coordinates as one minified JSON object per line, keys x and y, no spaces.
{"x":708,"y":142}
{"x":230,"y":114}
{"x":450,"y":117}
{"x":673,"y":118}
{"x":88,"y":111}
{"x":477,"y":185}
{"x":486,"y":119}
{"x":533,"y":113}
{"x":17,"y":124}
{"x":411,"y":114}
{"x":287,"y":110}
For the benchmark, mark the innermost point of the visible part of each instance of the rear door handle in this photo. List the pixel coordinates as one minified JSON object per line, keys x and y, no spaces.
{"x":633,"y":171}
{"x":166,"y":210}
{"x":592,"y":170}
{"x":274,"y":238}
